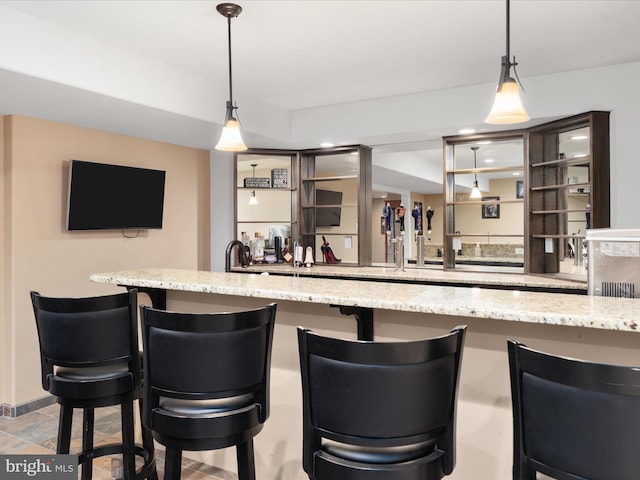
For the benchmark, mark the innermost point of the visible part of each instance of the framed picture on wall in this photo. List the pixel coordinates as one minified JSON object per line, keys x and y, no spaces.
{"x":491,"y":210}
{"x":519,"y":189}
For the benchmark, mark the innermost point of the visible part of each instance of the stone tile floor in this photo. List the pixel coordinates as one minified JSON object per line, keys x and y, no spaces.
{"x":36,"y":433}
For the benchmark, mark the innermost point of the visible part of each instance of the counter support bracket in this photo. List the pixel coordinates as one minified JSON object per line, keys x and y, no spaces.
{"x":158,"y":296}
{"x":364,"y":320}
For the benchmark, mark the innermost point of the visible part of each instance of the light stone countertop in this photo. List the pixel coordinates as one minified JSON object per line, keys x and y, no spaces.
{"x":510,"y":305}
{"x":427,"y":274}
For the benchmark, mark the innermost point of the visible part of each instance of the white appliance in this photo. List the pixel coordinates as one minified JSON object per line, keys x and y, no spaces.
{"x":614,"y":262}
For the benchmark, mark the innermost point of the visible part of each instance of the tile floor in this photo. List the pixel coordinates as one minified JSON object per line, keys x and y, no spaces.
{"x":36,"y":433}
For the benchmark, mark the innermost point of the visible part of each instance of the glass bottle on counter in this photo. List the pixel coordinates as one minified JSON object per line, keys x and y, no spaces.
{"x":287,"y":253}
{"x":298,"y":252}
{"x":246,"y":245}
{"x":258,"y":248}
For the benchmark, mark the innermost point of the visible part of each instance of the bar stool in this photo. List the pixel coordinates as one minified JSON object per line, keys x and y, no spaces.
{"x":572,"y":419}
{"x":89,"y":359}
{"x":379,"y":410}
{"x":206,"y":382}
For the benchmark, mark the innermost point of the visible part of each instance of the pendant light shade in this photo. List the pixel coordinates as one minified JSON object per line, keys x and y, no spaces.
{"x":507,"y":106}
{"x":231,"y":139}
{"x":475,"y":191}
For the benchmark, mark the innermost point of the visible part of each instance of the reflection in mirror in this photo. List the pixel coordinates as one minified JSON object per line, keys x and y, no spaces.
{"x":486,"y":233}
{"x":330,"y":206}
{"x":264,"y":205}
{"x":574,"y":145}
{"x":409,"y":175}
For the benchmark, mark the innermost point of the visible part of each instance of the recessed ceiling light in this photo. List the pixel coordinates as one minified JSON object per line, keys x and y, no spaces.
{"x":580,"y":155}
{"x":466,"y":131}
{"x":484,"y":142}
{"x":488,"y":160}
{"x":327,"y":144}
{"x":517,"y":174}
{"x":579,"y":137}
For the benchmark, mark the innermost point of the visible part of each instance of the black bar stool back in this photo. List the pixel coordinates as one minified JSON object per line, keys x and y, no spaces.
{"x":573,"y":419}
{"x":207,"y":381}
{"x":89,"y":358}
{"x":379,"y":410}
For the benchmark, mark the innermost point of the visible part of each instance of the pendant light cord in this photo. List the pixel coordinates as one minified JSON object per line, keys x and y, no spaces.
{"x":508,"y":31}
{"x":230,"y":77}
{"x":475,"y":164}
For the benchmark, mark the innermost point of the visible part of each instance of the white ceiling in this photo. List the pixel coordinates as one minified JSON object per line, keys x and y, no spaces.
{"x":300,"y":54}
{"x":306,"y":54}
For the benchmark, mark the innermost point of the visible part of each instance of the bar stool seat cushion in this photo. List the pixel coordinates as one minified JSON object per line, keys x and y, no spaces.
{"x":104,"y":372}
{"x":204,"y":407}
{"x":379,"y":455}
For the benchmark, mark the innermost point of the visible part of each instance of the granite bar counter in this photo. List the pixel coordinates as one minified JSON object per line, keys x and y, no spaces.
{"x":595,"y":328}
{"x":428,"y":275}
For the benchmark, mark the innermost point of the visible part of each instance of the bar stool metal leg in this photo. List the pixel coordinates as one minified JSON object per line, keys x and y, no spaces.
{"x":128,"y":454}
{"x":246,"y":462}
{"x":172,"y":464}
{"x":147,"y":443}
{"x":87,"y":442}
{"x":64,"y":429}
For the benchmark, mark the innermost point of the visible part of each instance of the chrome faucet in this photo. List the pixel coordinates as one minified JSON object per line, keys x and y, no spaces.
{"x":398,"y":250}
{"x":243,"y":255}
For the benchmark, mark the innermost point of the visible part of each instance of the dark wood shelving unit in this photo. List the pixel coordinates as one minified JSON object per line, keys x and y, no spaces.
{"x":548,"y":188}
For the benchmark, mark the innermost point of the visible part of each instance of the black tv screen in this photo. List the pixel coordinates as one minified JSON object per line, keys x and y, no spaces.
{"x":328,"y":216}
{"x":114,"y":197}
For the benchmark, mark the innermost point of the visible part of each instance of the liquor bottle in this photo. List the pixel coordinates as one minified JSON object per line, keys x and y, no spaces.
{"x":258,"y":248}
{"x":287,"y":254}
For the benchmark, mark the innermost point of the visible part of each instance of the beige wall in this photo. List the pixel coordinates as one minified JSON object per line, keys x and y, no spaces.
{"x":40,"y":254}
{"x":469,"y":217}
{"x":5,"y":339}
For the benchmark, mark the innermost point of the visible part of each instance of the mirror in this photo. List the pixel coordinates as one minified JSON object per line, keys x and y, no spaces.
{"x":486,"y":233}
{"x":413,"y":175}
{"x":574,"y":145}
{"x":409,"y":174}
{"x":265,"y":192}
{"x":330,"y":204}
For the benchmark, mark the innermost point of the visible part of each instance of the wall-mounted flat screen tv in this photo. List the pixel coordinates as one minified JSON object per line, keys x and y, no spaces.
{"x":114,"y":197}
{"x":328,"y":216}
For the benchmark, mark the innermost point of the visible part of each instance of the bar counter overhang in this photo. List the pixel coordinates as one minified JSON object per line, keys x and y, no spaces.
{"x":594,"y":328}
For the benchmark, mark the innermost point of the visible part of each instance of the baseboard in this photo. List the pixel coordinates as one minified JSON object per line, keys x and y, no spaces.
{"x":13,"y":411}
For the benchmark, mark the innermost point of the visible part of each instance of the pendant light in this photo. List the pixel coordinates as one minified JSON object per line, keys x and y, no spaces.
{"x":507,"y":107}
{"x":253,"y":200}
{"x":230,"y":140}
{"x":475,"y":191}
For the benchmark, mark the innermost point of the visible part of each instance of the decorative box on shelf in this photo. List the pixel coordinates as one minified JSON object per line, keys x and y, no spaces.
{"x":279,"y":178}
{"x":256,"y":182}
